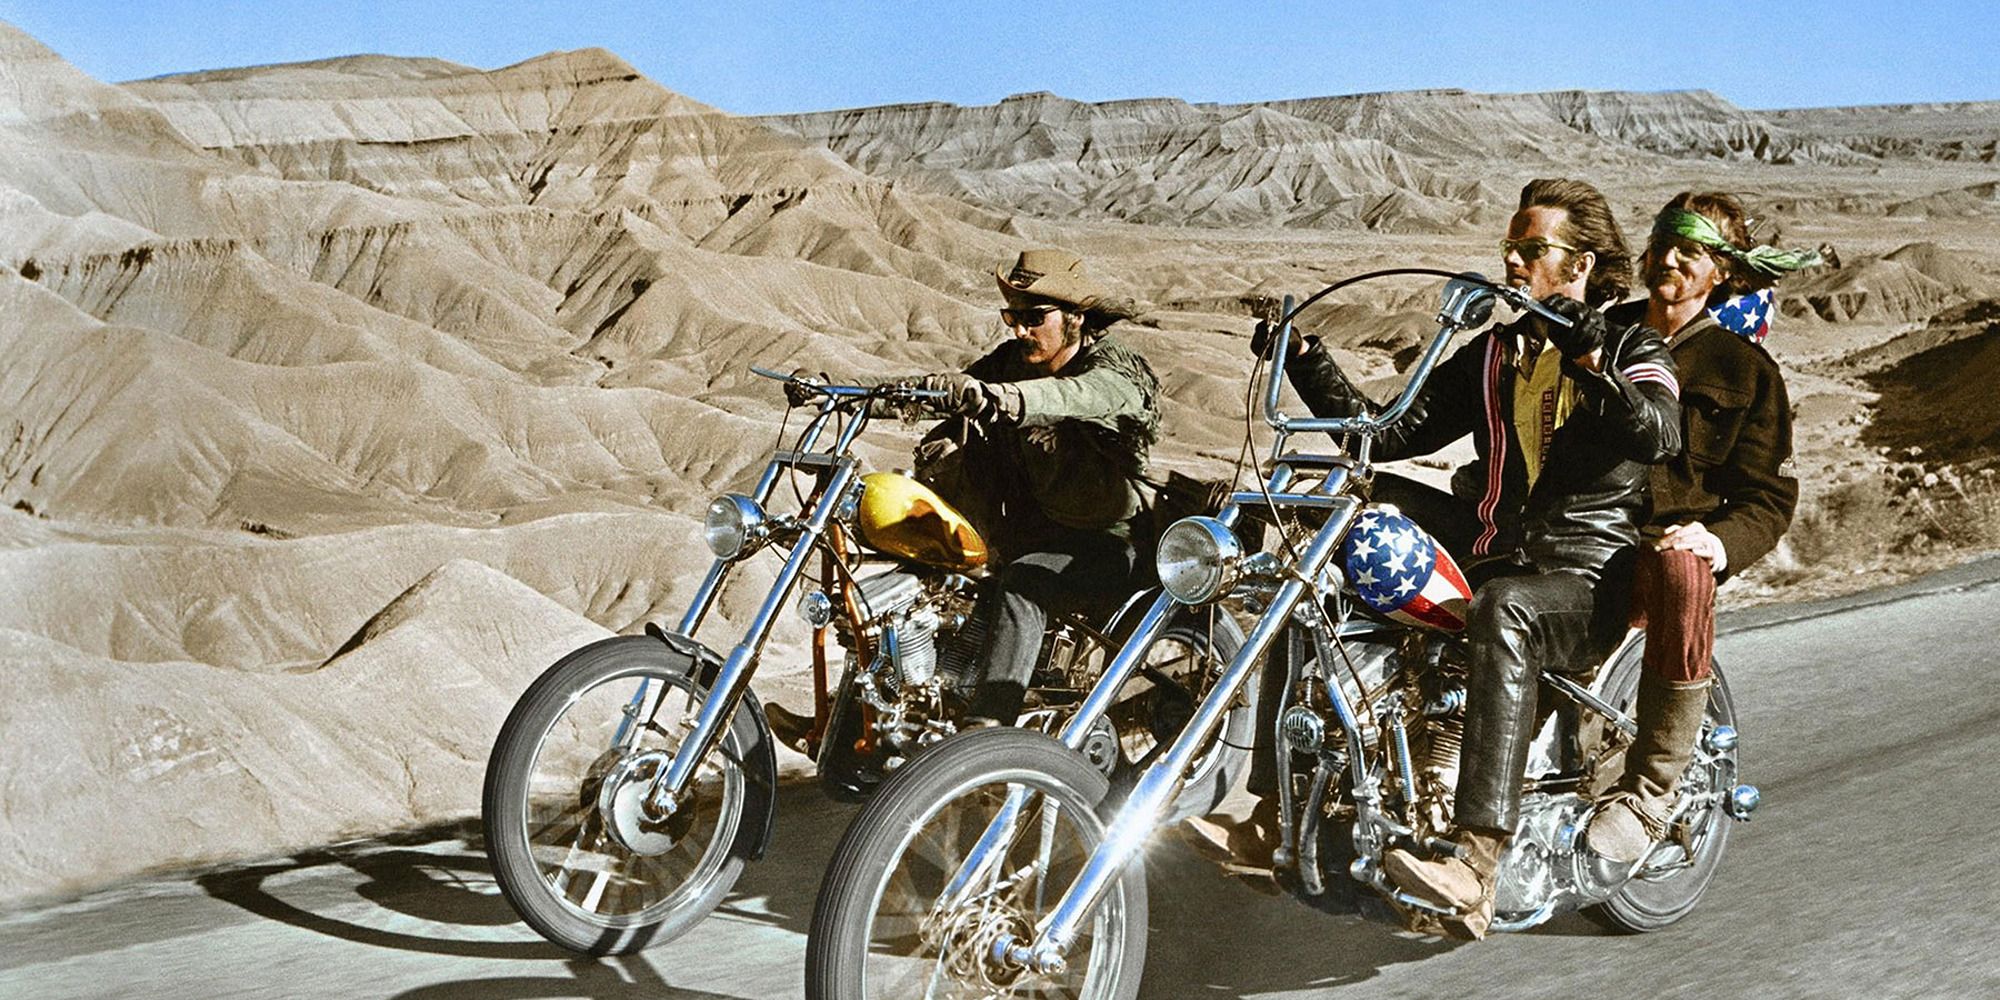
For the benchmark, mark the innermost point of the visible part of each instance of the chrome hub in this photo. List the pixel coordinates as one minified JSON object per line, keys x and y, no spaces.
{"x":624,"y":804}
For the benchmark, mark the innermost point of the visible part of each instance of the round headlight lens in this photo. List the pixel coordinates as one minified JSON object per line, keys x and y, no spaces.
{"x":734,"y":522}
{"x":1198,"y":559}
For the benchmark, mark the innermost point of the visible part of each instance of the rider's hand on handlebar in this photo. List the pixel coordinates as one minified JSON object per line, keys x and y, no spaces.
{"x":964,"y":395}
{"x":971,"y":398}
{"x":1260,"y":339}
{"x":800,"y":389}
{"x":1586,"y":330}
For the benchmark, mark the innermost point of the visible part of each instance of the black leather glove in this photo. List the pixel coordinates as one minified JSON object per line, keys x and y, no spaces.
{"x":964,"y":395}
{"x":1267,"y":331}
{"x":1586,"y":330}
{"x":799,"y":388}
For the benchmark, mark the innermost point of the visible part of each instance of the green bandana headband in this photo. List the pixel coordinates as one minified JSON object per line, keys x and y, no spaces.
{"x":1769,"y":261}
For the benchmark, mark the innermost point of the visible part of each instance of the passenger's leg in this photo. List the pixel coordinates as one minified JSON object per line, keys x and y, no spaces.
{"x":1676,"y":592}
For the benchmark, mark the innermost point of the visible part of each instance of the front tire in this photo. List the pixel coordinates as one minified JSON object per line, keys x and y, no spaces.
{"x":877,"y":931}
{"x":1673,"y":880}
{"x":580,"y":863}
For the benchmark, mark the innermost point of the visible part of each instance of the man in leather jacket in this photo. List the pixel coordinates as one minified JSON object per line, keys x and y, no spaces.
{"x":1565,"y":421}
{"x":1717,"y":507}
{"x":1053,"y":431}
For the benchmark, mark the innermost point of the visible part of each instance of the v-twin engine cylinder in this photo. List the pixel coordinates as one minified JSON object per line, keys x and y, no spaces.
{"x":909,"y":612}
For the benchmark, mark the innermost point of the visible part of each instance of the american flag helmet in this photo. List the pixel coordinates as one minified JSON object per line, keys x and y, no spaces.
{"x":1398,"y":570}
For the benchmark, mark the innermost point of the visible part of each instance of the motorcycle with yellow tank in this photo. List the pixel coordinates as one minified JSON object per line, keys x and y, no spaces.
{"x":637,"y":775}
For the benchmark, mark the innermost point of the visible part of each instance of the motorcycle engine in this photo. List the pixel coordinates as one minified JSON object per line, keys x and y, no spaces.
{"x":905,"y":615}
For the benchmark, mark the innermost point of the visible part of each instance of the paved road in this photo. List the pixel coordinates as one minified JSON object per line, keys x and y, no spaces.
{"x":1873,"y":870}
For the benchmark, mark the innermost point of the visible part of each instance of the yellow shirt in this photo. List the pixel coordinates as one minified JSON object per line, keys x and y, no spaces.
{"x":1543,"y":399}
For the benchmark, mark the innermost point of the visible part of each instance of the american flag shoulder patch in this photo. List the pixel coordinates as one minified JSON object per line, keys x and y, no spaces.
{"x":1648,"y":371}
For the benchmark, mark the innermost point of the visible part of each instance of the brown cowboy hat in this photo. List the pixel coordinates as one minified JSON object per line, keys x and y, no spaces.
{"x":1047,"y":275}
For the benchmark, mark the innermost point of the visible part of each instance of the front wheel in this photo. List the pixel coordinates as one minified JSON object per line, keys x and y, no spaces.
{"x":574,"y":845}
{"x":889,"y":924}
{"x":1673,"y":879}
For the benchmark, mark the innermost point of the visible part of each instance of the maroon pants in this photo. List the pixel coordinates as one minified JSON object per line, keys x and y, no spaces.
{"x":1673,"y":598}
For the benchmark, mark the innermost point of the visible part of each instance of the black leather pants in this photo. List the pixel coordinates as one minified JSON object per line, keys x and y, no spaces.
{"x":1517,"y":624}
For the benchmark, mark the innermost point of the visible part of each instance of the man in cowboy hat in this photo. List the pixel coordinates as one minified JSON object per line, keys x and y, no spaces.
{"x":1051,"y":431}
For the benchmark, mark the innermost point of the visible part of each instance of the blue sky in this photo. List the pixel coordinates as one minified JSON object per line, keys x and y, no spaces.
{"x":757,"y":58}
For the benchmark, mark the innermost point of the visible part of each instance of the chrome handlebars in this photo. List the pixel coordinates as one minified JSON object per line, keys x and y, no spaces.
{"x":1467,"y":303}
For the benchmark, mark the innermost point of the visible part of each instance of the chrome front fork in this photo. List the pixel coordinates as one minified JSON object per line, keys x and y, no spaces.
{"x":1141,"y":813}
{"x":732,"y":679}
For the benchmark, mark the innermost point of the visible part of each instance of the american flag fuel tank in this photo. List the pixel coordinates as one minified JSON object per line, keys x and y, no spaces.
{"x":1397,"y":569}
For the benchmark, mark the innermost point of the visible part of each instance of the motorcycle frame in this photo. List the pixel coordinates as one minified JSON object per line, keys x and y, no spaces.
{"x":836,"y":485}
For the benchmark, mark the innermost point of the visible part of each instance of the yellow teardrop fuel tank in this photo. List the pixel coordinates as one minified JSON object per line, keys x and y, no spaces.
{"x":904,"y":518}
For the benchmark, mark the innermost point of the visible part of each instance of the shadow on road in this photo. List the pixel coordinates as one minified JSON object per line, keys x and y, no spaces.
{"x":432,"y":891}
{"x":627,"y":978}
{"x":430,"y":874}
{"x":1193,"y":954}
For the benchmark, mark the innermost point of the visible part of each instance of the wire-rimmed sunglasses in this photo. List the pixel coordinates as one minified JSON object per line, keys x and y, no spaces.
{"x":1532,"y":248}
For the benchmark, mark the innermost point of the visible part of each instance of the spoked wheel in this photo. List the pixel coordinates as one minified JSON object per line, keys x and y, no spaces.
{"x":890,"y":923}
{"x":575,"y":845}
{"x":1159,"y":700}
{"x":1677,"y":873}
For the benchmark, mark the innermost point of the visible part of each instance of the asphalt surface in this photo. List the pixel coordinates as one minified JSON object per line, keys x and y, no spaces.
{"x":1871,"y":723}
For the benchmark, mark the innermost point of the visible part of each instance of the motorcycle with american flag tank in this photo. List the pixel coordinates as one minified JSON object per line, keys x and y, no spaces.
{"x":995,"y":864}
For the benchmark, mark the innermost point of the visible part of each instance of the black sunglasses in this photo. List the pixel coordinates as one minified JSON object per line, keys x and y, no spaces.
{"x":1532,"y":248}
{"x":1030,"y":316}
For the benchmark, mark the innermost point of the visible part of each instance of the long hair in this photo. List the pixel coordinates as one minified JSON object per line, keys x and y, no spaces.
{"x":1107,"y":311}
{"x":1729,"y":216}
{"x":1589,"y":227}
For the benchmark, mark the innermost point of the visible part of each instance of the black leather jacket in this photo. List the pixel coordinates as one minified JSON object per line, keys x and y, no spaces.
{"x":1590,"y":498}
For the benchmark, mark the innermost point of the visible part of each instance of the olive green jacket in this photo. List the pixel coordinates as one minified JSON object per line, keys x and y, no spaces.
{"x":1083,"y":437}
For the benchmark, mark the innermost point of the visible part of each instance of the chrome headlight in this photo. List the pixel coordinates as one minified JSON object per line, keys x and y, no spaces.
{"x":735,"y":525}
{"x":1198,"y":560}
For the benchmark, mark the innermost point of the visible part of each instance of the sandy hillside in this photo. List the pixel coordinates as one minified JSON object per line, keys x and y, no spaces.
{"x":340,"y":398}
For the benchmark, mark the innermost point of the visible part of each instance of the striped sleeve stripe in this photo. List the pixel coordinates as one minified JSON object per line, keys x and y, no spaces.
{"x":1496,"y":454}
{"x":1649,"y":372}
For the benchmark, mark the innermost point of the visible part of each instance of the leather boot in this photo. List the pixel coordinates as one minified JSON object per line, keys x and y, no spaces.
{"x":1463,"y":884}
{"x":788,"y":727}
{"x":1633,"y":817}
{"x":1239,"y":843}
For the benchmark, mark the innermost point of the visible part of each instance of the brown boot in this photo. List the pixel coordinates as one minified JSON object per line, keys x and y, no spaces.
{"x":1633,"y":817}
{"x":1247,"y":843}
{"x":1462,"y":884}
{"x":788,"y":727}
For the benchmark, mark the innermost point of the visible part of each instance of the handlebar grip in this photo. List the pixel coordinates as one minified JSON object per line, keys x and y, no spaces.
{"x":1520,"y":299}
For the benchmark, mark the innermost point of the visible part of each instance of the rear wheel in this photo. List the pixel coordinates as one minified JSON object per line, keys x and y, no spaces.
{"x":883,"y":926}
{"x":574,"y":846}
{"x":1673,"y":878}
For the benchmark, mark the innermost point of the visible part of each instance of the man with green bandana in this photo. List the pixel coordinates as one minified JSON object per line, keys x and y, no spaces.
{"x":1717,"y":507}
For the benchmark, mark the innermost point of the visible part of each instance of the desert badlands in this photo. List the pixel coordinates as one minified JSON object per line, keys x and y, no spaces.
{"x":337,"y":399}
